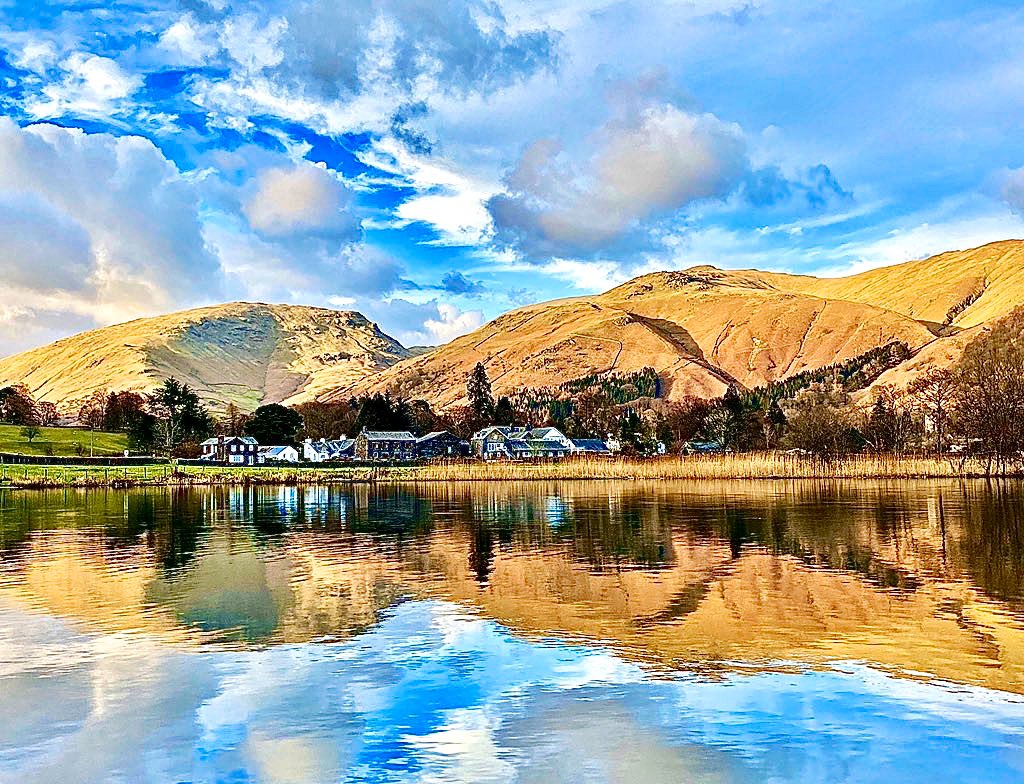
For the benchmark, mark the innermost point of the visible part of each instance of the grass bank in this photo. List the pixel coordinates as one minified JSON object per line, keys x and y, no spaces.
{"x":62,"y":441}
{"x":692,"y":468}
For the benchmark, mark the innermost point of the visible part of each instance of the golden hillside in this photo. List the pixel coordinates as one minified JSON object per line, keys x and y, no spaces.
{"x":960,"y":288}
{"x":241,"y":352}
{"x":703,"y":328}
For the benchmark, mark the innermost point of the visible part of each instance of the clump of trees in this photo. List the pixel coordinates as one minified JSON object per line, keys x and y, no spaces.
{"x":274,"y":424}
{"x":172,"y":420}
{"x":976,"y":406}
{"x":17,"y":407}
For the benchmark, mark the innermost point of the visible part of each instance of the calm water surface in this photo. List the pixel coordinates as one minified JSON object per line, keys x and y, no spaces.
{"x":541,"y":632}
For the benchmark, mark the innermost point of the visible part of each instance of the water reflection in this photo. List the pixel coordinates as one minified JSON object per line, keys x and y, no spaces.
{"x":433,"y":694}
{"x":922,"y":577}
{"x":514,"y":633}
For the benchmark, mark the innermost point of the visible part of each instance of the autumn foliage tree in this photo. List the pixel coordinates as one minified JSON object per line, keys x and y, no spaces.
{"x":17,"y":406}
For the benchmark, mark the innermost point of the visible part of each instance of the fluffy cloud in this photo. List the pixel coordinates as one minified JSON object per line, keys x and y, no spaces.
{"x":188,"y":42}
{"x":299,"y":199}
{"x":97,"y":225}
{"x":43,"y":248}
{"x":564,"y":203}
{"x":90,"y":86}
{"x":451,"y":323}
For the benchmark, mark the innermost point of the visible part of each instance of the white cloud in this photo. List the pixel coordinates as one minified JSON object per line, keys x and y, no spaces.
{"x":36,"y":56}
{"x":90,"y":86}
{"x":589,"y":276}
{"x":355,"y":66}
{"x":449,"y":201}
{"x":101,"y":227}
{"x":253,"y":45}
{"x":631,"y":172}
{"x":189,"y":42}
{"x":451,"y":323}
{"x":297,"y":199}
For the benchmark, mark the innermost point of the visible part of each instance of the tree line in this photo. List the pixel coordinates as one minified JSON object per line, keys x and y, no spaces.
{"x":976,"y":406}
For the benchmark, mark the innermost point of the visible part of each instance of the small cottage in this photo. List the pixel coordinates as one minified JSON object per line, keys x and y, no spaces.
{"x":234,"y":450}
{"x":326,"y":450}
{"x":278,"y":454}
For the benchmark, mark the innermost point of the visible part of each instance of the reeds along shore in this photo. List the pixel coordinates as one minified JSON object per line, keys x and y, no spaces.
{"x":700,"y":467}
{"x":690,"y":468}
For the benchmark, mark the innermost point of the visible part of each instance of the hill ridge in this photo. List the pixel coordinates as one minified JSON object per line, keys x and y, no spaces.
{"x":740,"y":325}
{"x":241,"y":352}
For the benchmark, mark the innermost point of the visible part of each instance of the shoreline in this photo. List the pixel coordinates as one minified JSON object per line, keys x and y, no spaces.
{"x":753,"y":466}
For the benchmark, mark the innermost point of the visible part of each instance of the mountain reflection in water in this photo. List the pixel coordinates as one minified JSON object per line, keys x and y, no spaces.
{"x":663,"y":631}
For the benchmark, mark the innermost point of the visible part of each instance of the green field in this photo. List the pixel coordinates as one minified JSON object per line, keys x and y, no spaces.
{"x":62,"y":441}
{"x":162,"y":473}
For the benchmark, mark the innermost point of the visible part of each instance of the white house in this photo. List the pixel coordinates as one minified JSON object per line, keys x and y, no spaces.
{"x":324,"y":450}
{"x":278,"y":454}
{"x":520,"y":443}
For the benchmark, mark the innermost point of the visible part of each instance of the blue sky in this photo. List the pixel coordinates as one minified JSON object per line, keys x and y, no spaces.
{"x":433,"y":164}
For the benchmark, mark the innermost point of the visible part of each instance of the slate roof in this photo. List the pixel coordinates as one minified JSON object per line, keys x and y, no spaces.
{"x":334,"y":447}
{"x":436,"y":434}
{"x":228,"y":439}
{"x":388,"y":435}
{"x":274,"y":451}
{"x":590,"y":444}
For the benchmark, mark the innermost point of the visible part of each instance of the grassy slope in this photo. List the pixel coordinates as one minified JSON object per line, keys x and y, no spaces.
{"x":63,"y":440}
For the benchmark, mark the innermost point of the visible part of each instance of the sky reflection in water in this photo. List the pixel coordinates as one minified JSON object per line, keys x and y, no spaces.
{"x":418,"y":682}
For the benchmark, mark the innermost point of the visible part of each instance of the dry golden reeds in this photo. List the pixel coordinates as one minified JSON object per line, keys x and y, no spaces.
{"x":697,"y":467}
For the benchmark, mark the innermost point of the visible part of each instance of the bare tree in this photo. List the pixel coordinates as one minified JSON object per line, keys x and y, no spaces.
{"x":989,"y":396}
{"x":935,"y":394}
{"x":821,"y":421}
{"x":48,"y":414}
{"x":94,"y":410}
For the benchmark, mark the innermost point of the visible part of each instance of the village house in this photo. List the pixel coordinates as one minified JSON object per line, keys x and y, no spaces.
{"x":385,"y":445}
{"x":518,"y":443}
{"x":326,"y":450}
{"x":498,"y":443}
{"x":278,"y":454}
{"x":441,"y":443}
{"x":235,"y":450}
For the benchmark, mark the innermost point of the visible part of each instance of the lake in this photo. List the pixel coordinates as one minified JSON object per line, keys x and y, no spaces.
{"x":523,"y":632}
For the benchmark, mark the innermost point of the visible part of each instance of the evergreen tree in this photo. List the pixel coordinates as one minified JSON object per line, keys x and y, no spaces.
{"x":504,"y":413}
{"x":274,"y":424}
{"x":478,"y":390}
{"x":380,"y":413}
{"x":181,"y":418}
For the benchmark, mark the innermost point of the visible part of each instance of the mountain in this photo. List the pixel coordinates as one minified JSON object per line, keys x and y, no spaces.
{"x":245,"y":353}
{"x":704,"y":328}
